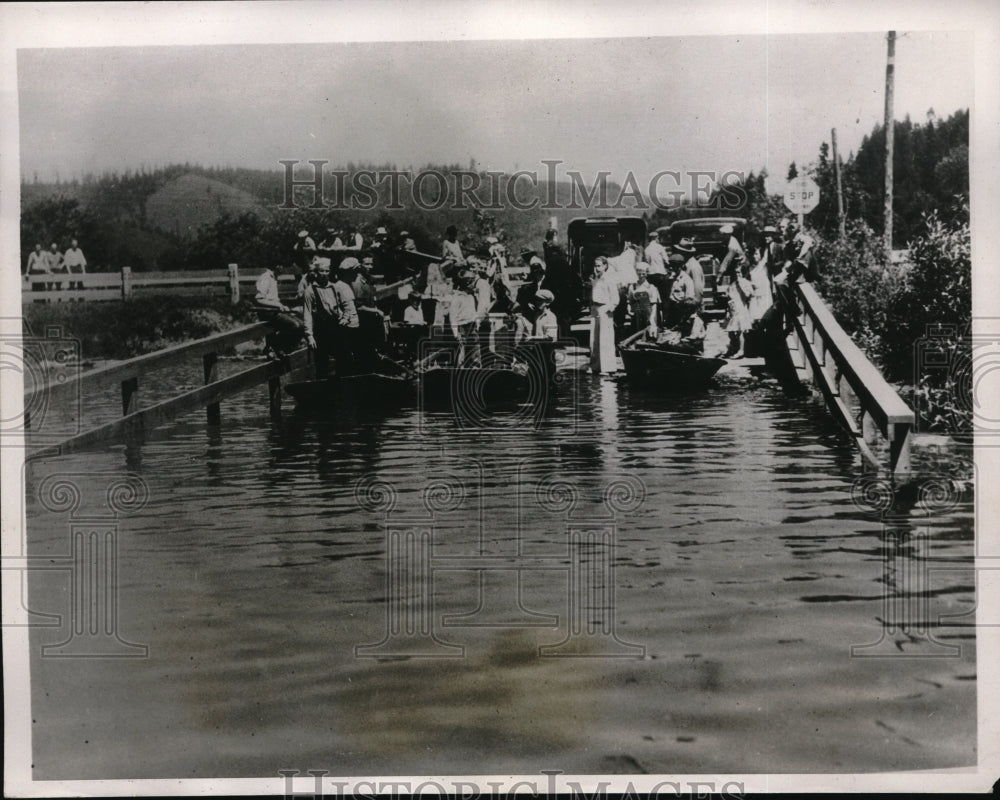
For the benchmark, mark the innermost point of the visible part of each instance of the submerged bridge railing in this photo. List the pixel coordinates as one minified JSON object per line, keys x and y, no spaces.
{"x":837,"y":367}
{"x":137,"y":420}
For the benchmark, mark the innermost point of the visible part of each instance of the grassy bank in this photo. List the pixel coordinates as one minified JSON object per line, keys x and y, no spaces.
{"x":117,"y":330}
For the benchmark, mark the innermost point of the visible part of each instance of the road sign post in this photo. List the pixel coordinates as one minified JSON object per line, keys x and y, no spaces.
{"x":801,"y":197}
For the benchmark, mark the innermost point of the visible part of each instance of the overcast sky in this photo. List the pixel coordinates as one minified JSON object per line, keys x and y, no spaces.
{"x":642,"y":104}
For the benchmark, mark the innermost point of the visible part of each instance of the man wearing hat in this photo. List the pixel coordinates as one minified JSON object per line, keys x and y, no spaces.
{"x":371,"y":320}
{"x":656,"y":255}
{"x":462,"y":314}
{"x":537,"y":321}
{"x":451,"y":250}
{"x":692,"y":266}
{"x":536,"y":277}
{"x":564,"y":283}
{"x":771,"y":250}
{"x":681,"y":288}
{"x":331,"y":322}
{"x":734,"y":250}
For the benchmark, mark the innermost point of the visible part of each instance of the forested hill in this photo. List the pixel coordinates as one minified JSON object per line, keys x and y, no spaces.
{"x":190,"y":217}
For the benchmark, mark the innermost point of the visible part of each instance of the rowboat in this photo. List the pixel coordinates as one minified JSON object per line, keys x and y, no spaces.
{"x":658,"y":365}
{"x":473,"y":387}
{"x":371,"y":389}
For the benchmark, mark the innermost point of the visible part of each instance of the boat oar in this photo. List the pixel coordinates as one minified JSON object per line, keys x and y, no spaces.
{"x":428,"y":359}
{"x":634,"y":337}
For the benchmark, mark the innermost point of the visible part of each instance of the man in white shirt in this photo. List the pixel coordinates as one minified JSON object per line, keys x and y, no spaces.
{"x":656,"y":255}
{"x":287,"y":334}
{"x":644,"y":300}
{"x":75,"y":263}
{"x":604,"y":300}
{"x":462,"y":314}
{"x":692,"y":266}
{"x":38,"y":264}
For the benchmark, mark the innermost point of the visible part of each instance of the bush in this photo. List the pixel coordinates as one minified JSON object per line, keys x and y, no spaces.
{"x":119,"y":330}
{"x":890,"y":311}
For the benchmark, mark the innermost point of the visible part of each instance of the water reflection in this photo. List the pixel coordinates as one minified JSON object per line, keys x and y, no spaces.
{"x":745,"y":570}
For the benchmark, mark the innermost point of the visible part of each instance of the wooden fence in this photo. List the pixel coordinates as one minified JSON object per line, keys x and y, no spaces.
{"x":829,"y":358}
{"x":136,"y":420}
{"x":126,"y":284}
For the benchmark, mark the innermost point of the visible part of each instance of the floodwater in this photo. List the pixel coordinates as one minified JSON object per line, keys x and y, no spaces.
{"x":633,"y":583}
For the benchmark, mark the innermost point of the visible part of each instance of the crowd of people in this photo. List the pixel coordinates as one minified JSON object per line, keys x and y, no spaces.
{"x":450,"y":296}
{"x":661,"y":289}
{"x":51,"y":263}
{"x":655,"y":292}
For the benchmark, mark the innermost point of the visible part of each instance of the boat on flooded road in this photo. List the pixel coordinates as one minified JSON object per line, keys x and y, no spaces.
{"x":655,"y":365}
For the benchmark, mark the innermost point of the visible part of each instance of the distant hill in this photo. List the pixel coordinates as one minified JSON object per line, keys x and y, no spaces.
{"x":187,"y":203}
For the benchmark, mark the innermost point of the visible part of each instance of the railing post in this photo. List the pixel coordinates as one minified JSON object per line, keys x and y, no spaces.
{"x":234,"y":284}
{"x":899,"y":449}
{"x":211,"y":364}
{"x":274,"y":395}
{"x":126,"y":283}
{"x":130,"y":394}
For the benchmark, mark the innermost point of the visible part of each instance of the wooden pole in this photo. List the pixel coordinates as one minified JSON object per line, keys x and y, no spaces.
{"x":126,"y":283}
{"x":210,"y":363}
{"x":890,"y":134}
{"x":840,"y":189}
{"x":234,"y":284}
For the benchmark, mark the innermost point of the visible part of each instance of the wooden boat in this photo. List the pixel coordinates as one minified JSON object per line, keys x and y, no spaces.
{"x":658,"y":365}
{"x":371,"y":388}
{"x":522,"y":374}
{"x":470,"y":388}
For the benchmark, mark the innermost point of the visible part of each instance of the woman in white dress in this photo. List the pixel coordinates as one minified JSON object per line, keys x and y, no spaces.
{"x":740,"y":294}
{"x":604,"y":300}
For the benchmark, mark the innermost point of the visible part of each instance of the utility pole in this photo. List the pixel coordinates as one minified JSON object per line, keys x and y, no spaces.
{"x":890,"y":133}
{"x":840,"y":189}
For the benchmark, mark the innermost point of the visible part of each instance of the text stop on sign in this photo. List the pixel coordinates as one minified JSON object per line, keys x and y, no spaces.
{"x":802,"y":195}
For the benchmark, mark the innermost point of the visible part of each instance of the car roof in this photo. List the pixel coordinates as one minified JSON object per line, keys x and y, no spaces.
{"x":702,"y":223}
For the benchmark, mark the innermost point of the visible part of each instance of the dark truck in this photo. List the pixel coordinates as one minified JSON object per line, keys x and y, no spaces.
{"x":588,"y":238}
{"x":704,"y":233}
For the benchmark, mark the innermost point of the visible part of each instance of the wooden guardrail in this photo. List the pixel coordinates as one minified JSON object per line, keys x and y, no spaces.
{"x":125,"y":284}
{"x":137,"y":420}
{"x":837,"y":366}
{"x":122,"y":285}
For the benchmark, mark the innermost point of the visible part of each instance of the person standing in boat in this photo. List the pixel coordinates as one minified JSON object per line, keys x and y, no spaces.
{"x":484,"y":301}
{"x":463,"y":317}
{"x":644,"y":300}
{"x":371,"y":320}
{"x":604,"y":299}
{"x":321,"y":313}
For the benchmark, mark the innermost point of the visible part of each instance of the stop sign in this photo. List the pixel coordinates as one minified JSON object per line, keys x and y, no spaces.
{"x":801,"y":195}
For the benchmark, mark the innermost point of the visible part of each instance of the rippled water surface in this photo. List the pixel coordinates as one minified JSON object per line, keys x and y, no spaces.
{"x":638,"y":583}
